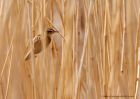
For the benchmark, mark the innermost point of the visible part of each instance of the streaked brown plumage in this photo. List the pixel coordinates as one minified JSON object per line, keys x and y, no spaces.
{"x":38,"y":42}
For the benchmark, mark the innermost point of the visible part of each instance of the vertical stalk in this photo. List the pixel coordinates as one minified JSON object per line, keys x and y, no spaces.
{"x":124,"y":32}
{"x":31,"y":34}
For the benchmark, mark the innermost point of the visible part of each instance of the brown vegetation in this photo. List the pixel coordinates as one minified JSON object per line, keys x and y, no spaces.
{"x":97,"y":60}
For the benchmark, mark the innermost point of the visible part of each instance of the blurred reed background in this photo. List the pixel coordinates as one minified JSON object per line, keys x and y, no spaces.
{"x":97,"y":60}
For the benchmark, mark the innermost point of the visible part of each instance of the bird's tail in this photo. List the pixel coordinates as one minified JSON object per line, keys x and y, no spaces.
{"x":28,"y":55}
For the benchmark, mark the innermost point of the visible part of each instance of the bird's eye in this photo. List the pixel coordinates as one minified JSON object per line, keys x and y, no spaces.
{"x":50,"y":30}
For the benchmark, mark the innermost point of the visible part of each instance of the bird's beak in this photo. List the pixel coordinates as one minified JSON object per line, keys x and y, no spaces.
{"x":56,"y":31}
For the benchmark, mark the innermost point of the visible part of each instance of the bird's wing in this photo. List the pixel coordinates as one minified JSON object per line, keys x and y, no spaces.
{"x":35,"y":39}
{"x":37,"y":44}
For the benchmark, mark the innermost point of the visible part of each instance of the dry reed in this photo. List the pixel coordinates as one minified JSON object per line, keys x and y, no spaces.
{"x":98,"y":59}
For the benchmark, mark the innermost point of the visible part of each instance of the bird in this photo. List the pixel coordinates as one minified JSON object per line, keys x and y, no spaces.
{"x":38,"y":43}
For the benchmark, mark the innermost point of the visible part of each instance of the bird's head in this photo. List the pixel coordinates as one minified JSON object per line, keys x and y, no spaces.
{"x":51,"y":31}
